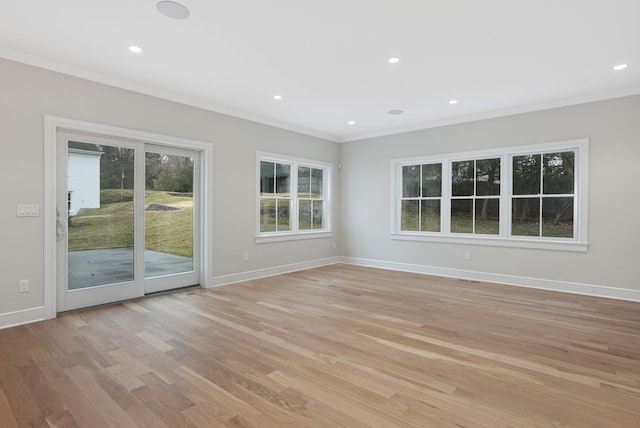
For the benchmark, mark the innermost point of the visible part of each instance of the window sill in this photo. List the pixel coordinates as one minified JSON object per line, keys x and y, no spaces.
{"x":558,"y":245}
{"x":264,"y":239}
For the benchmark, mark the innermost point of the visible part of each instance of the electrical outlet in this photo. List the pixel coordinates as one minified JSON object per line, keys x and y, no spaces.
{"x":24,"y":285}
{"x":467,"y":255}
{"x":245,"y":257}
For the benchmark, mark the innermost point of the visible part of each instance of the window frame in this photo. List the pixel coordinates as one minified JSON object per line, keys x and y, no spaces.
{"x":421,"y":197}
{"x":579,"y":242}
{"x":474,"y":196}
{"x":294,"y":232}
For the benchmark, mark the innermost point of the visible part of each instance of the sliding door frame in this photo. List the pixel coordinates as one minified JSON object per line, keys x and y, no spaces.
{"x":155,"y":284}
{"x":53,"y":124}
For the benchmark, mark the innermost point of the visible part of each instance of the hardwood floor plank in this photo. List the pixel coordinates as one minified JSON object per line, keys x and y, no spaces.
{"x":154,"y":341}
{"x":208,"y":391}
{"x":62,"y":419}
{"x":73,"y":399}
{"x":17,"y":393}
{"x":43,"y":394}
{"x":7,"y":418}
{"x":204,"y":415}
{"x":276,"y":409}
{"x":109,"y":409}
{"x":165,"y":394}
{"x":145,"y":418}
{"x":333,"y":399}
{"x":170,"y":416}
{"x":125,"y":377}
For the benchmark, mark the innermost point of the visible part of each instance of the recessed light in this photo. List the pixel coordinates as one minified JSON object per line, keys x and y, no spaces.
{"x":393,"y":60}
{"x":620,"y":67}
{"x":395,"y":112}
{"x":172,"y":10}
{"x":352,"y":122}
{"x":277,"y":97}
{"x":453,"y":102}
{"x":135,"y":49}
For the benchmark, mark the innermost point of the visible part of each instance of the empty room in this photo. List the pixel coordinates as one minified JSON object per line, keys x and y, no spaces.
{"x":319,"y":214}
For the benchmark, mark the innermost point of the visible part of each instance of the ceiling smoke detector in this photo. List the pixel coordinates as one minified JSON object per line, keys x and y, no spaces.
{"x":172,"y":10}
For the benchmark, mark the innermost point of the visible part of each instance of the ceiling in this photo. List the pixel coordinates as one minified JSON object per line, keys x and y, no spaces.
{"x":328,"y":59}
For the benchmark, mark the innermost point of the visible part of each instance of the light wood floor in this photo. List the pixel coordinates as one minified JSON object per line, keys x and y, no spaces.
{"x":333,"y":346}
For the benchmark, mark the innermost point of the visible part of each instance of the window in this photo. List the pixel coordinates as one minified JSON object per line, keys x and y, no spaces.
{"x":421,"y":197}
{"x":530,"y":196}
{"x":310,"y":198}
{"x":475,"y":196}
{"x":275,"y":196}
{"x":293,"y":197}
{"x":543,"y":194}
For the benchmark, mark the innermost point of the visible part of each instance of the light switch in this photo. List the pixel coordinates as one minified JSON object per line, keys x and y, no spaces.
{"x":25,"y":210}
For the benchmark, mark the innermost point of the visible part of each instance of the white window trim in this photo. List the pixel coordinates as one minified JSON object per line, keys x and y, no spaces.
{"x":578,"y":243}
{"x":294,"y":234}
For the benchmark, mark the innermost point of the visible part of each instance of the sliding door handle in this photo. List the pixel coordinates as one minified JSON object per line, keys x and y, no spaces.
{"x":61,"y":226}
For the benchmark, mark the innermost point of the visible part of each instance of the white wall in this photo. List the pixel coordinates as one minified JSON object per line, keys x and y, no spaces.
{"x":28,"y":93}
{"x":613,"y":128}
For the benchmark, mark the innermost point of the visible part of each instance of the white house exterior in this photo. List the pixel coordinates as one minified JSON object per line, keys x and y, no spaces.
{"x":83,"y":180}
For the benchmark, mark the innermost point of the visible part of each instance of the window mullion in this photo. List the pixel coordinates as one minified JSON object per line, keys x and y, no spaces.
{"x":506,"y":195}
{"x":445,"y":209}
{"x":474,"y":197}
{"x":541,"y":192}
{"x":397,"y":198}
{"x":576,"y":191}
{"x":420,"y":196}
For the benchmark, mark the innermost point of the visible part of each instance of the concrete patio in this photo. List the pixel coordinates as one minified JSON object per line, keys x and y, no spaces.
{"x":91,"y":268}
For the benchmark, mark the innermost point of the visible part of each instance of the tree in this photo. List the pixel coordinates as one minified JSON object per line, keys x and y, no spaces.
{"x":116,"y":168}
{"x":487,"y":183}
{"x":175,"y":174}
{"x":153,"y":167}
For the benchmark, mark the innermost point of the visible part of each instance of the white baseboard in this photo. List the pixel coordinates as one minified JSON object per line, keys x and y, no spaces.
{"x":217,"y":281}
{"x":25,"y":316}
{"x":519,"y":281}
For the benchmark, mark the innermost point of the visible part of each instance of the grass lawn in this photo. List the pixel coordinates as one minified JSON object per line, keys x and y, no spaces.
{"x":111,"y":226}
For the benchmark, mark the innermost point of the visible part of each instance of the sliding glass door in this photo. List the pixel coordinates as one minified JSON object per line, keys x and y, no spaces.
{"x":171,"y":244}
{"x":126,"y":219}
